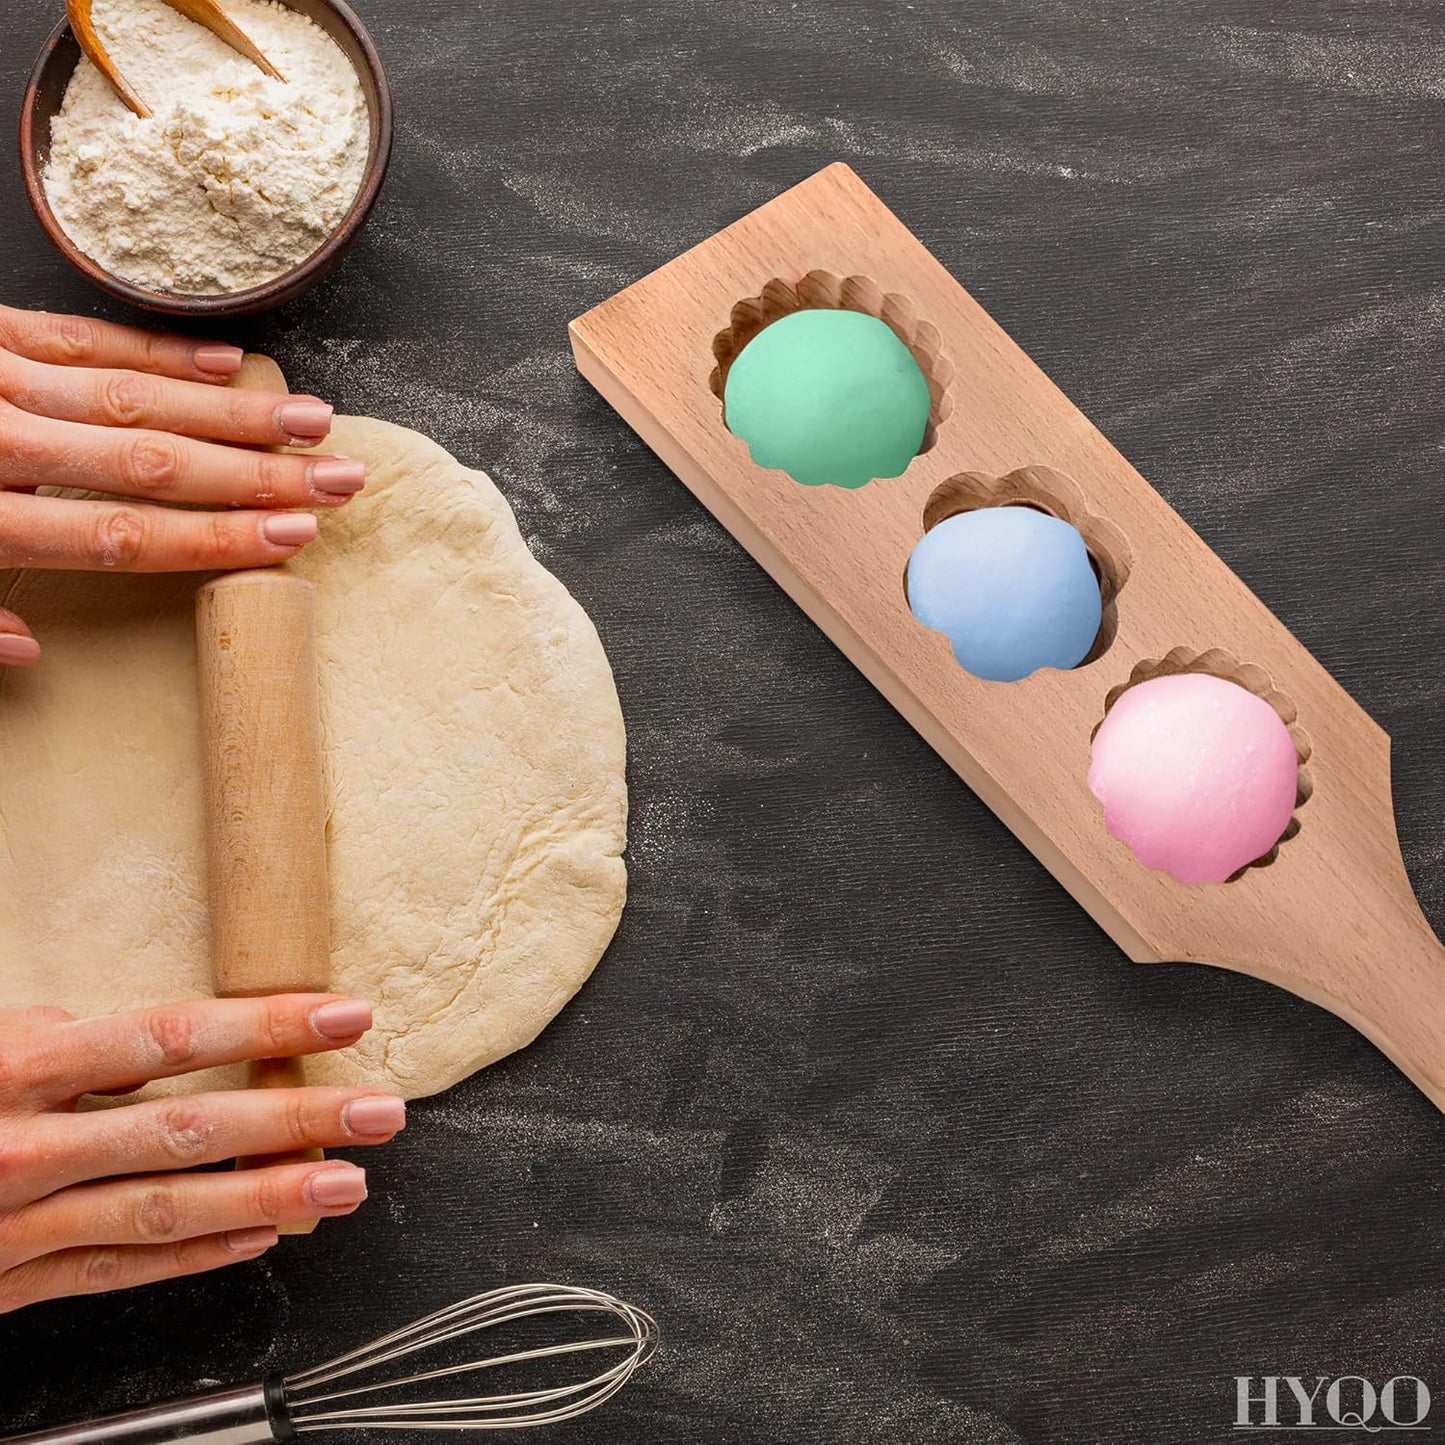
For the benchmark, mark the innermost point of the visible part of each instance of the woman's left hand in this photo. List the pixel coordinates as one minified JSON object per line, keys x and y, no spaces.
{"x":97,"y":1201}
{"x":139,"y":415}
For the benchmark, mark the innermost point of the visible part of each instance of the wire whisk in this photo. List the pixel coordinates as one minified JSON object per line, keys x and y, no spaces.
{"x":315,"y":1404}
{"x":359,"y":1391}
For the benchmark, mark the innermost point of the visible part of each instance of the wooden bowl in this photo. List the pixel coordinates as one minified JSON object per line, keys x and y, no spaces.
{"x":45,"y":90}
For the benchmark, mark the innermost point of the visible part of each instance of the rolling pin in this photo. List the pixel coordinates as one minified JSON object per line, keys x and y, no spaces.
{"x":265,"y":799}
{"x":265,"y":790}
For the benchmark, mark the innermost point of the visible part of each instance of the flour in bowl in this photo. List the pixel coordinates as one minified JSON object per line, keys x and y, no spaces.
{"x":236,"y":178}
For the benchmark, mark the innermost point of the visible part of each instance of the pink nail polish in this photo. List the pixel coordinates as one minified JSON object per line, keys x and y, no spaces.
{"x":342,"y":1019}
{"x":218,"y":360}
{"x":331,"y":1188}
{"x":304,"y":421}
{"x":338,"y":476}
{"x":374,"y":1117}
{"x":289,"y":529}
{"x":17,"y":651}
{"x":250,"y":1241}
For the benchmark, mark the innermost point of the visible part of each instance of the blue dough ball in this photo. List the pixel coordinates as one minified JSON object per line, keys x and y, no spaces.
{"x":1011,"y":588}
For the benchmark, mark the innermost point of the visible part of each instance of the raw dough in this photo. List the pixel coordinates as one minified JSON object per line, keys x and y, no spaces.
{"x":475,"y":751}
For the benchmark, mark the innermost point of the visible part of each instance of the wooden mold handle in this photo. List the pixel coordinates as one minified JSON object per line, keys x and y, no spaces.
{"x":265,"y":798}
{"x":1375,"y":961}
{"x":1412,"y":1033}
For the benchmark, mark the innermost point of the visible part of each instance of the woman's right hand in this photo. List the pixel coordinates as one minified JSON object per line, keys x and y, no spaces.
{"x":149,"y":419}
{"x":94,"y":1201}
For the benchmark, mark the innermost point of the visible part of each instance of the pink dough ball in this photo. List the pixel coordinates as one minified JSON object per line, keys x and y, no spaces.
{"x":1197,"y":775}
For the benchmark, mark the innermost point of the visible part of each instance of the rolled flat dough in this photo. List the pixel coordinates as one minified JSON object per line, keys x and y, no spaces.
{"x":475,"y":752}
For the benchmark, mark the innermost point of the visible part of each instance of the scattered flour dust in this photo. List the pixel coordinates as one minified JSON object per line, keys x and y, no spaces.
{"x":236,"y":178}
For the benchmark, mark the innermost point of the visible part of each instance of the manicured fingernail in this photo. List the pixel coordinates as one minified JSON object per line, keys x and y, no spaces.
{"x":218,"y":360}
{"x":332,"y":1187}
{"x":304,"y":421}
{"x":250,"y":1241}
{"x":342,"y":1019}
{"x":17,"y":651}
{"x":338,"y":476}
{"x":374,"y":1116}
{"x":289,"y":529}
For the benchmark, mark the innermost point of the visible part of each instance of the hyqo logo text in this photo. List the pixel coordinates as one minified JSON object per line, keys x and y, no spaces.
{"x":1349,"y":1402}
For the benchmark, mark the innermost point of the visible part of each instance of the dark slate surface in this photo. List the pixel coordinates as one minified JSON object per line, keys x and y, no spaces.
{"x":890,"y":1136}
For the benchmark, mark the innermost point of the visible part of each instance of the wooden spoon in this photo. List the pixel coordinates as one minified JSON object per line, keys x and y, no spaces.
{"x":203,"y":12}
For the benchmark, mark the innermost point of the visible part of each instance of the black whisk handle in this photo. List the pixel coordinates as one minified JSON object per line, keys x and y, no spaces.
{"x":251,"y":1415}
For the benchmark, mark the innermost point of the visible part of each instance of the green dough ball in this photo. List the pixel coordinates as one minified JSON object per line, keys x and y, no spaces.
{"x":830,"y":397}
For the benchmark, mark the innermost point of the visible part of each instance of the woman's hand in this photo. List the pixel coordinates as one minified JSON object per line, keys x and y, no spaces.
{"x":92,"y":1201}
{"x":105,"y":408}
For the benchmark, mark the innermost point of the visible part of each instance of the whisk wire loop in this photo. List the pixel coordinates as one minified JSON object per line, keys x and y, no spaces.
{"x":323,"y":1398}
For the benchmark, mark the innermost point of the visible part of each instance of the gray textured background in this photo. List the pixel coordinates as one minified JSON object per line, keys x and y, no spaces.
{"x":890,"y":1136}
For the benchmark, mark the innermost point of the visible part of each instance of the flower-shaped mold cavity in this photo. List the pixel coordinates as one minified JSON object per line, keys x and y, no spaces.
{"x":824,"y":291}
{"x":1045,"y":490}
{"x":1216,"y":662}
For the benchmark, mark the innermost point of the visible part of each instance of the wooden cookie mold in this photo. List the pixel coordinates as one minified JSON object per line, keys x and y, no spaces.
{"x":1332,"y":916}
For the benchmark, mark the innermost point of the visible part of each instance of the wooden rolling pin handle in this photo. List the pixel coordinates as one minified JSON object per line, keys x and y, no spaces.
{"x":265,"y":796}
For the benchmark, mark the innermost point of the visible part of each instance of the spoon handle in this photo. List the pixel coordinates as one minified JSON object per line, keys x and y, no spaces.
{"x":204,"y":12}
{"x":210,"y":14}
{"x":95,"y":52}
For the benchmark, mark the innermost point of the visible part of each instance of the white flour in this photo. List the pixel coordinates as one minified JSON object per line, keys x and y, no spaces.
{"x":236,"y":178}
